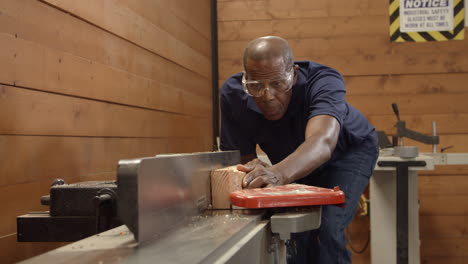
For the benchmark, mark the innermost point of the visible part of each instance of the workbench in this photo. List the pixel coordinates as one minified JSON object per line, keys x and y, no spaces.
{"x":386,"y":235}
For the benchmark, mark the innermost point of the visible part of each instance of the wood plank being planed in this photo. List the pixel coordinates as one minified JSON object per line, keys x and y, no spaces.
{"x":223,"y":182}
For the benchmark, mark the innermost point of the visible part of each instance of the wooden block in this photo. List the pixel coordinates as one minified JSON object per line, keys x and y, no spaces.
{"x":223,"y":182}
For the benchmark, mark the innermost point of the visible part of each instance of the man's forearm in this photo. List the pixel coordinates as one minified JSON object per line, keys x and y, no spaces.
{"x":321,"y":135}
{"x":307,"y":157}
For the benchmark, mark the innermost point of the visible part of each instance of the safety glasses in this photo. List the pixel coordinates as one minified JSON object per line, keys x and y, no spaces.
{"x":257,"y":88}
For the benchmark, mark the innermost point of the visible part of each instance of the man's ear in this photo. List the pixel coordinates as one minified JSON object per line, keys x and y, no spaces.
{"x":296,"y":68}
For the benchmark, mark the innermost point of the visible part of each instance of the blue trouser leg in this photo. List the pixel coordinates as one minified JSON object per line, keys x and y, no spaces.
{"x":327,"y":244}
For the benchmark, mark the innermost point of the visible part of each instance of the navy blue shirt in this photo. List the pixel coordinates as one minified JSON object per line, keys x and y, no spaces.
{"x":319,"y":90}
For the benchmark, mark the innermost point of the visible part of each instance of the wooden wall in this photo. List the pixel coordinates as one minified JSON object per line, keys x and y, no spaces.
{"x":86,"y":83}
{"x":427,"y":80}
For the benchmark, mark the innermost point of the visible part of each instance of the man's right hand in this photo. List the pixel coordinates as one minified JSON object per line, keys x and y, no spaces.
{"x":250,"y":166}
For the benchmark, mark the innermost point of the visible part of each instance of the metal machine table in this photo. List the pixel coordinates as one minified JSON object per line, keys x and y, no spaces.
{"x":383,"y":205}
{"x":221,"y":236}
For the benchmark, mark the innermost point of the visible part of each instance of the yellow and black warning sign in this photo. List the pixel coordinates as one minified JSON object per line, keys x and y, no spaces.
{"x":426,"y":20}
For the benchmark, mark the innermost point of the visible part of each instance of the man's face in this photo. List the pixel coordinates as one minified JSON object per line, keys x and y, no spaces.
{"x":272,"y":104}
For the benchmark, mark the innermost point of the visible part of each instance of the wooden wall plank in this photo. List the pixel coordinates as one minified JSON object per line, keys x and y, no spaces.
{"x":155,"y":11}
{"x":31,"y":112}
{"x":304,"y":27}
{"x":243,"y":10}
{"x":453,"y":184}
{"x":385,"y":85}
{"x":17,"y":199}
{"x":397,"y":64}
{"x":366,"y":45}
{"x":45,"y":25}
{"x":443,"y":204}
{"x":13,"y":251}
{"x":443,"y":227}
{"x":111,"y":15}
{"x":443,"y":260}
{"x":459,"y":143}
{"x":79,"y":91}
{"x":187,"y":145}
{"x":30,"y":65}
{"x":278,"y":9}
{"x":446,"y":123}
{"x":48,"y":30}
{"x":27,"y":159}
{"x":410,"y":104}
{"x":447,"y":170}
{"x":445,"y":247}
{"x":394,"y":85}
{"x":100,"y":176}
{"x":190,"y":12}
{"x":31,"y":158}
{"x":378,"y":64}
{"x":427,"y":80}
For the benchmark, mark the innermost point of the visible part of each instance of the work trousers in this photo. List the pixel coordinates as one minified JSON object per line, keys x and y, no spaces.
{"x":327,"y":245}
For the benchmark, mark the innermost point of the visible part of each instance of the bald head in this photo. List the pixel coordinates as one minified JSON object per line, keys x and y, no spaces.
{"x":268,"y":48}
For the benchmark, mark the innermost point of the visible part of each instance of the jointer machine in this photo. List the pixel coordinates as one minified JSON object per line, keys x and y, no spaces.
{"x":159,"y":211}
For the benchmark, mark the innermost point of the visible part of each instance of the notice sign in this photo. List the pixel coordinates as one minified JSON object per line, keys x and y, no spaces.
{"x":426,"y":20}
{"x":426,"y":15}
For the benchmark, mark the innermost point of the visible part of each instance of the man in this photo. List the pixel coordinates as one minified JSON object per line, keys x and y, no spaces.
{"x":298,"y":115}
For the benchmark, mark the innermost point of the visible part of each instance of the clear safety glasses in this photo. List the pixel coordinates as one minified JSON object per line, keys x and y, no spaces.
{"x":257,"y":88}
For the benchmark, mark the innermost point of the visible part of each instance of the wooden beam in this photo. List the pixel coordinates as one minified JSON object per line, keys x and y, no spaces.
{"x":223,"y":182}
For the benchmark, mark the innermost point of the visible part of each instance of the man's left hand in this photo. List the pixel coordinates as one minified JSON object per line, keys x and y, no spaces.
{"x":262,"y":176}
